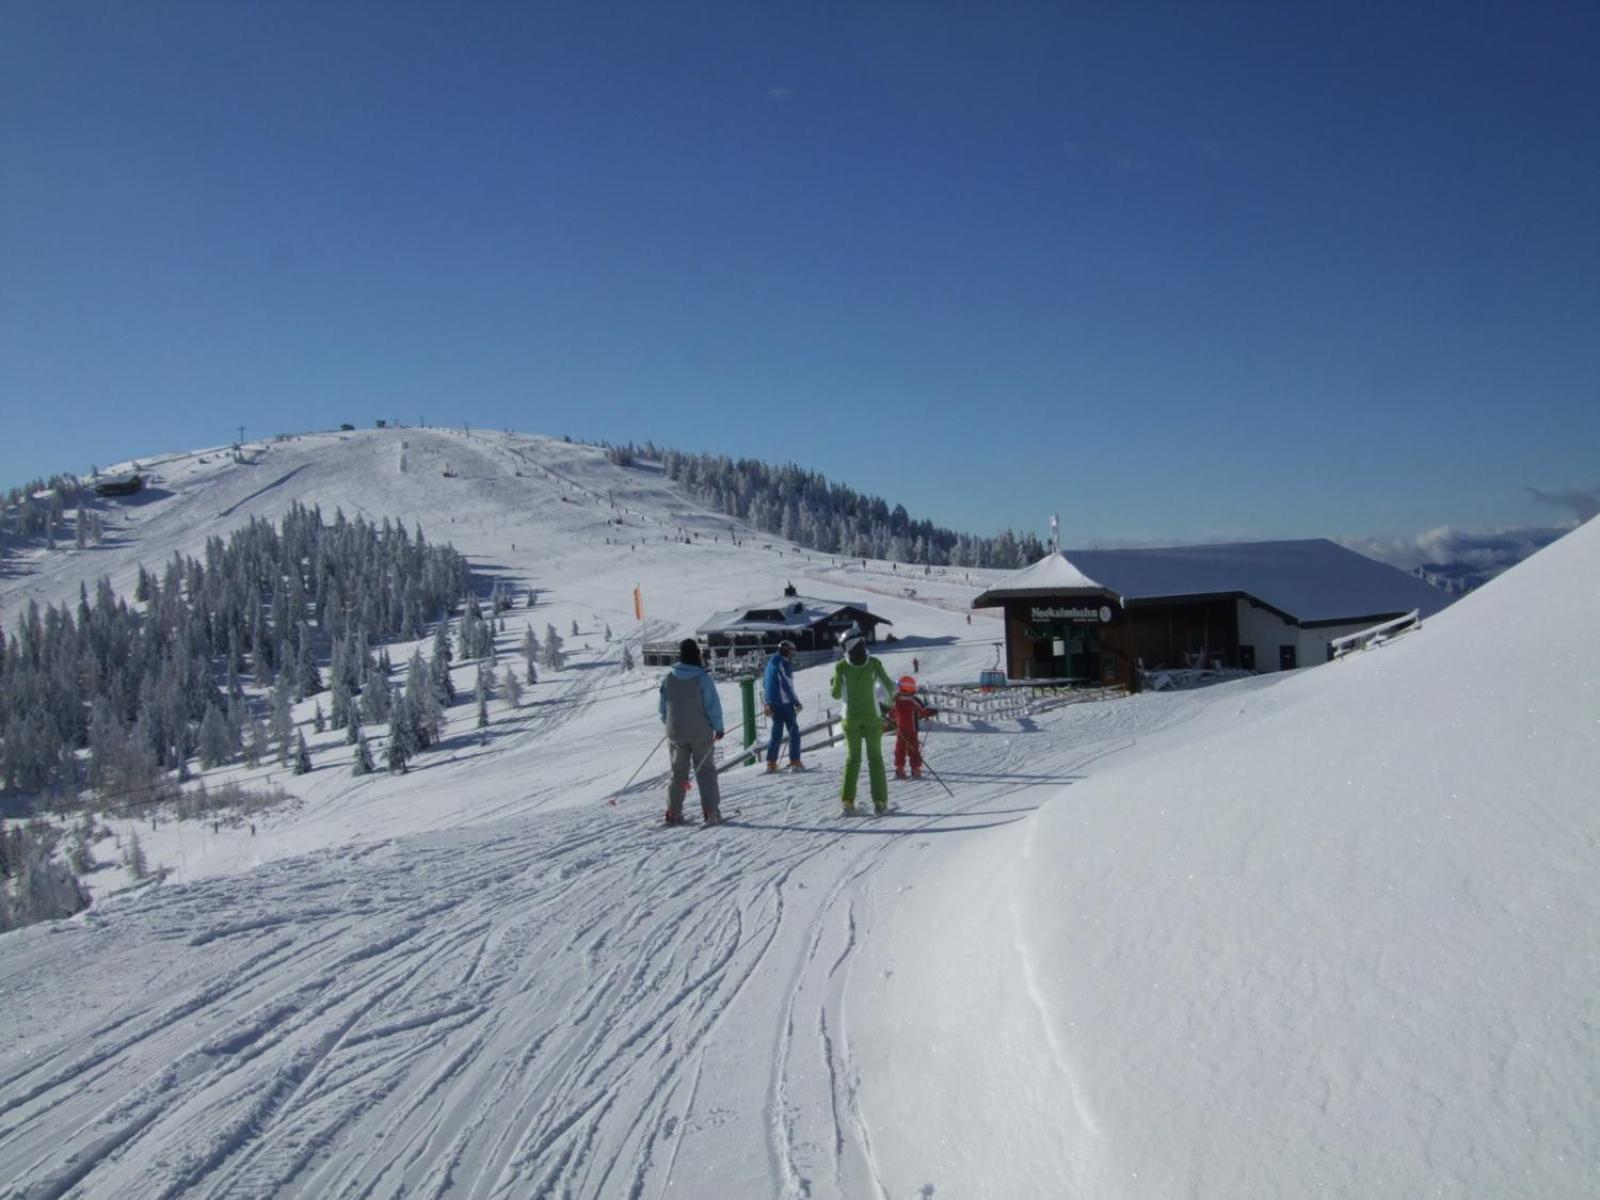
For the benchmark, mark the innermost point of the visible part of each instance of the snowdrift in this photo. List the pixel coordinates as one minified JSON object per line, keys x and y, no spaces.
{"x":1347,"y":944}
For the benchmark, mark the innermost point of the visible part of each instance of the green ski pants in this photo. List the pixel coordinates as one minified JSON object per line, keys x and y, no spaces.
{"x":873,"y":737}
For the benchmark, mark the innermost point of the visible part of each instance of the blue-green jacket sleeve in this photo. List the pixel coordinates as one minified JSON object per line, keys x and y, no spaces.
{"x":713,"y":702}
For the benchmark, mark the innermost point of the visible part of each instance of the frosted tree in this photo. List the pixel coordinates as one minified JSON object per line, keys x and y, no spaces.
{"x":133,"y":857}
{"x":553,"y":656}
{"x":282,"y":720}
{"x":302,"y":756}
{"x":425,"y":713}
{"x":318,"y":721}
{"x":627,"y":657}
{"x":608,"y":631}
{"x":513,"y":690}
{"x":574,"y":628}
{"x":216,"y":743}
{"x":530,"y":652}
{"x":363,"y":759}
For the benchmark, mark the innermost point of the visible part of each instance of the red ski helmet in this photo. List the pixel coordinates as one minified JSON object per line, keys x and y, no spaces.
{"x":907,"y":684}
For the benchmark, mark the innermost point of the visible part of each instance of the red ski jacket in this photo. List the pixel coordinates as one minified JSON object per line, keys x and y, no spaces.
{"x":907,"y":711}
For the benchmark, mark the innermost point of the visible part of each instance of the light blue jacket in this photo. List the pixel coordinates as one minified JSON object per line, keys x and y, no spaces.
{"x":709,"y":699}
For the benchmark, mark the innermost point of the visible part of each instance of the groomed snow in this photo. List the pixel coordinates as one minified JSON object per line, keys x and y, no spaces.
{"x":1331,"y":933}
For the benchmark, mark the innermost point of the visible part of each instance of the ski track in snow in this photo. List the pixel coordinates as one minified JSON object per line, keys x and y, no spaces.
{"x":522,"y":1010}
{"x":548,"y":1002}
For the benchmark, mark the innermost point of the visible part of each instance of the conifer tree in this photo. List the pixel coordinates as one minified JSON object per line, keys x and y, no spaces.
{"x":530,"y":652}
{"x":363,"y":758}
{"x":302,"y":756}
{"x":513,"y":690}
{"x":553,"y":656}
{"x":282,"y":720}
{"x":216,"y":744}
{"x":352,"y":730}
{"x":318,"y":721}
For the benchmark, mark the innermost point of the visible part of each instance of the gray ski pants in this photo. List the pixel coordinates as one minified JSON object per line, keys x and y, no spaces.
{"x":694,"y":755}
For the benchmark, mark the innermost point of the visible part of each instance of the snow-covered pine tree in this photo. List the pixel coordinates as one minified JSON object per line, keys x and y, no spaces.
{"x":422,"y":704}
{"x":363,"y":757}
{"x":530,"y":651}
{"x":302,"y":756}
{"x":627,"y":657}
{"x":318,"y":721}
{"x":402,"y":735}
{"x":216,"y":744}
{"x":553,"y":656}
{"x":513,"y":690}
{"x":282,"y":719}
{"x":133,"y":856}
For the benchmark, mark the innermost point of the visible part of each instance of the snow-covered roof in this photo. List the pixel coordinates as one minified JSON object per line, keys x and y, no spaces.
{"x":1312,"y":581}
{"x":1055,"y":572}
{"x":789,"y":613}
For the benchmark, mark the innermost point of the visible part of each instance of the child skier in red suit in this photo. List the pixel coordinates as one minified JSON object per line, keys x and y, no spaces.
{"x":906,"y":712}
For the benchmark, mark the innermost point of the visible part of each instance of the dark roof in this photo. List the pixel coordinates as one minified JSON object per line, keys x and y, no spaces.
{"x":1313,"y":581}
{"x":787,"y":614}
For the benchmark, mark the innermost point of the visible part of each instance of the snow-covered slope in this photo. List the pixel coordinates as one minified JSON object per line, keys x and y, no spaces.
{"x":1343,"y":940}
{"x":1330,"y":933}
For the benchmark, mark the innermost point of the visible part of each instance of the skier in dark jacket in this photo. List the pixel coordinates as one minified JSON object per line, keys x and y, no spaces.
{"x":782,"y":705}
{"x":692,"y":713}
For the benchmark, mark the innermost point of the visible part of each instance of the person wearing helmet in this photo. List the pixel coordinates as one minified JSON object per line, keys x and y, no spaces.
{"x":782,"y":705}
{"x":855,"y":681}
{"x":907,"y":711}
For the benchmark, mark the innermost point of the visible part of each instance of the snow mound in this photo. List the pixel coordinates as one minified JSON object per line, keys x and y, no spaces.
{"x":1346,"y":943}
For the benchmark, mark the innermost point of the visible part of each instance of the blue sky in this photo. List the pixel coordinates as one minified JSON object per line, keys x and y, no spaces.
{"x":1177,"y":272}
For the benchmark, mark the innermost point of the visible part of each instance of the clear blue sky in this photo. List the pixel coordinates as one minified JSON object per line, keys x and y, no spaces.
{"x":1175,"y":271}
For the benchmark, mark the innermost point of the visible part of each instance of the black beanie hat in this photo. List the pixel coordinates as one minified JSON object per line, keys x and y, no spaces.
{"x":689,"y":652}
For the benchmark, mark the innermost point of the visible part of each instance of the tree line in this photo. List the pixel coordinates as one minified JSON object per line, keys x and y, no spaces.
{"x":143,"y":687}
{"x":803,"y":507}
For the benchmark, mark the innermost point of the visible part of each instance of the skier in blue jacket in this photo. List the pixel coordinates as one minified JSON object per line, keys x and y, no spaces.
{"x":692,"y":713}
{"x":782,"y":705}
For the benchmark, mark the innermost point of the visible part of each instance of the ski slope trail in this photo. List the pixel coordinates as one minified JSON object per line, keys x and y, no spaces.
{"x":576,"y":1003}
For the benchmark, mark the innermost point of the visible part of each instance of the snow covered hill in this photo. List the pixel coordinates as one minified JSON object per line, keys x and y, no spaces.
{"x":1330,"y":933}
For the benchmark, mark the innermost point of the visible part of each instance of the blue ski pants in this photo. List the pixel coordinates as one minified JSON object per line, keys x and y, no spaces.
{"x":783,"y":717}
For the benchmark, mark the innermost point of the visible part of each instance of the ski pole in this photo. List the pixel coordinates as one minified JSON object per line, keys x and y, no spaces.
{"x":636,"y":771}
{"x":935,"y":775}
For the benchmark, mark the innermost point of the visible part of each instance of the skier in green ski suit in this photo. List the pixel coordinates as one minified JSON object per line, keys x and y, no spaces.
{"x":856,"y":680}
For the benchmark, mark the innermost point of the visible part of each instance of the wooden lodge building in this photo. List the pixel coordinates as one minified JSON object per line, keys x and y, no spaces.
{"x":1092,"y":616}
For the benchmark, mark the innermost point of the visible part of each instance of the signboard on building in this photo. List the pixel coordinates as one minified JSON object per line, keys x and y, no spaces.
{"x":1084,"y":615}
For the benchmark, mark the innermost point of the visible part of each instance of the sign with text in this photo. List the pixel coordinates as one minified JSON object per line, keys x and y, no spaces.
{"x":1082,"y":615}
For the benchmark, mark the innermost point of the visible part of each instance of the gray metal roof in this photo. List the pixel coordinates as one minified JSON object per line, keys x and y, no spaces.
{"x":810,"y":611}
{"x":1312,"y":581}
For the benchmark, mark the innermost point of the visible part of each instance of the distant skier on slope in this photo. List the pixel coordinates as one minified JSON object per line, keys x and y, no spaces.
{"x":782,"y":705}
{"x":692,"y":713}
{"x":856,"y":680}
{"x":906,"y":712}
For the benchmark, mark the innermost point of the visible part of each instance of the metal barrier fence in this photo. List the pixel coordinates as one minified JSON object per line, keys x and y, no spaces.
{"x":1377,"y":635}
